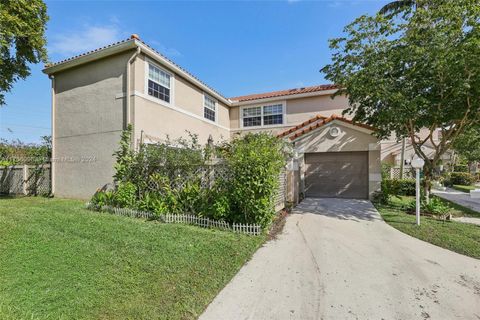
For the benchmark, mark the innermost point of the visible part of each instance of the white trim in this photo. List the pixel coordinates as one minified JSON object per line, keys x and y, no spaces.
{"x":178,"y":109}
{"x":334,"y":122}
{"x":54,"y":152}
{"x":266,"y":127}
{"x":215,"y":107}
{"x":172,"y":82}
{"x":285,"y":97}
{"x":262,"y":126}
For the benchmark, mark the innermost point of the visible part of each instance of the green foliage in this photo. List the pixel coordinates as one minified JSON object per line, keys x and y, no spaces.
{"x":255,"y":162}
{"x":397,"y":6}
{"x":462,"y":178}
{"x":22,"y":40}
{"x":398,"y":187}
{"x":435,"y":207}
{"x":460,"y":168}
{"x":467,"y":144}
{"x":125,"y":157}
{"x":386,"y":168}
{"x":176,"y":177}
{"x":220,"y":208}
{"x":126,"y":195}
{"x":103,"y":198}
{"x":403,"y":73}
{"x":16,"y":152}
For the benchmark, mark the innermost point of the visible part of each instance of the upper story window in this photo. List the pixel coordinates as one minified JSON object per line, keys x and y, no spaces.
{"x":158,"y":83}
{"x":252,"y":117}
{"x":209,"y":108}
{"x":262,"y":116}
{"x":273,"y":114}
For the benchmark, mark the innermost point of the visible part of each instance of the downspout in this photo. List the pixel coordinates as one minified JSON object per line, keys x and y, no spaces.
{"x":128,"y":105}
{"x":52,"y":160}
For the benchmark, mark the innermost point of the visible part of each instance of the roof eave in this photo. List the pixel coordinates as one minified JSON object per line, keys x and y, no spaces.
{"x":284,"y":97}
{"x":128,"y":45}
{"x":114,"y":49}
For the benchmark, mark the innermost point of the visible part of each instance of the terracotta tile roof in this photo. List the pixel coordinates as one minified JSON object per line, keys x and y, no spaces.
{"x":134,"y":37}
{"x":287,"y":92}
{"x":317,"y":122}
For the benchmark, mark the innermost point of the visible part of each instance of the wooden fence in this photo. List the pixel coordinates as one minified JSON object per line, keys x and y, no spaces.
{"x":25,"y":179}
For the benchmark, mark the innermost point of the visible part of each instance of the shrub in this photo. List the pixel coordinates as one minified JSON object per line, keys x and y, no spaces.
{"x":434,"y":207}
{"x":461,"y":178}
{"x":255,"y":162}
{"x":398,"y":187}
{"x":126,"y":195}
{"x":171,"y":177}
{"x":102,"y":198}
{"x":460,"y":168}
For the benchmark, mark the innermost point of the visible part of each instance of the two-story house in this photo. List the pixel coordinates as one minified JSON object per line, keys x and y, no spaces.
{"x":95,"y":95}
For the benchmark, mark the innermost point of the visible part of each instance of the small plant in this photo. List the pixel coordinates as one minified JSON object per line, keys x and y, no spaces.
{"x":126,"y":195}
{"x":102,"y":198}
{"x":436,"y":207}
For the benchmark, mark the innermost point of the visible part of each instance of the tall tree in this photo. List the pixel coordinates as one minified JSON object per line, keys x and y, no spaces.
{"x":22,"y":40}
{"x":467,"y":145}
{"x":397,"y":6}
{"x":416,"y":71}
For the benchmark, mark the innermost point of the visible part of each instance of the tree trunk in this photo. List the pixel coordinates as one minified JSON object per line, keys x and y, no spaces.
{"x":402,"y":159}
{"x":427,"y":179}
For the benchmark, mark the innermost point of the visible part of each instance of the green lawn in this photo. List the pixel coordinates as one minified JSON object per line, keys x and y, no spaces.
{"x":60,"y":261}
{"x":463,"y":188}
{"x":459,"y":237}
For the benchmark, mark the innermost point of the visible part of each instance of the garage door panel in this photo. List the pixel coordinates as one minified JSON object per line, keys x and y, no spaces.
{"x":336,"y":174}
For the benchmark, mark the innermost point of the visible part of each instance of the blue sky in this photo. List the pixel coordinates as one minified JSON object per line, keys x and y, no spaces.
{"x":235,"y":47}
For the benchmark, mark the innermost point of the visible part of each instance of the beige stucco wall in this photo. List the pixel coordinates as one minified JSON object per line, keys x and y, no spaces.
{"x":158,"y":121}
{"x":88,"y":121}
{"x":297,"y":111}
{"x":351,"y":138}
{"x":185,"y":112}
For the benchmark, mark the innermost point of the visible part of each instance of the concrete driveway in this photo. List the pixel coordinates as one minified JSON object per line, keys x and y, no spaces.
{"x":337,"y":259}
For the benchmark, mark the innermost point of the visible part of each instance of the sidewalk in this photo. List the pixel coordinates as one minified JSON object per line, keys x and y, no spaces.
{"x":462,"y":199}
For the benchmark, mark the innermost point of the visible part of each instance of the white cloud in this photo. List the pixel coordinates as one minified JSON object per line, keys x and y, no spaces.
{"x":89,"y":38}
{"x":168,"y":51}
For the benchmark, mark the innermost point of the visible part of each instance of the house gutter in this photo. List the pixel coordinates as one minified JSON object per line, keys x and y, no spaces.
{"x":129,"y":63}
{"x":52,"y":160}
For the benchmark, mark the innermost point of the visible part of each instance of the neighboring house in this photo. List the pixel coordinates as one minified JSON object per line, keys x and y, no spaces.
{"x":96,"y":94}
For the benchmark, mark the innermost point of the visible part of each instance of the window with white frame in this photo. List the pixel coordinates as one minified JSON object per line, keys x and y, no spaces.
{"x":252,"y":117}
{"x":273,"y":114}
{"x":158,"y":83}
{"x":262,"y":116}
{"x":209,"y":108}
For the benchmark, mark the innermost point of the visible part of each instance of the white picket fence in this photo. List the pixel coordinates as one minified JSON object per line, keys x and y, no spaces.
{"x":250,"y":229}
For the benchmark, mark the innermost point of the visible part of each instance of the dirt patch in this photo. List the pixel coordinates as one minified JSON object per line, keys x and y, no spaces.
{"x":278,"y":224}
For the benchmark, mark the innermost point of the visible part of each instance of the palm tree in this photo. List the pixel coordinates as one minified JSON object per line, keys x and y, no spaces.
{"x":397,"y":6}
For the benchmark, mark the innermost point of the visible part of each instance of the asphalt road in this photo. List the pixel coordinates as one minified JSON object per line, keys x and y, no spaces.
{"x":337,"y":259}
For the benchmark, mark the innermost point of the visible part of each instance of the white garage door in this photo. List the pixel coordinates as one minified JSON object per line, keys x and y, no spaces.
{"x":336,"y":175}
